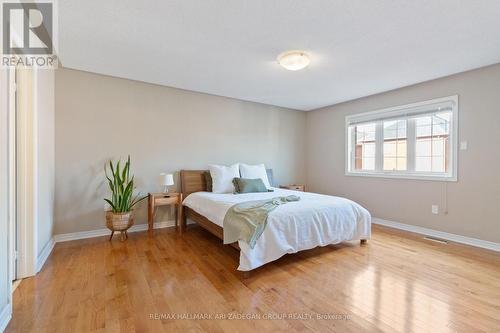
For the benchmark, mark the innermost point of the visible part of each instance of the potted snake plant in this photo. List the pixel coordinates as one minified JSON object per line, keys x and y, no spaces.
{"x":120,"y":217}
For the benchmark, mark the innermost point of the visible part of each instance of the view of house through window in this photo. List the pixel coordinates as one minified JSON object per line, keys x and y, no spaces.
{"x":432,"y":144}
{"x":395,"y":151}
{"x":408,"y":141}
{"x":365,"y":147}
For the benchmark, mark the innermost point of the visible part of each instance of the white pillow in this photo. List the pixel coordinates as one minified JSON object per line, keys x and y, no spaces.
{"x":222,"y":177}
{"x":254,"y":172}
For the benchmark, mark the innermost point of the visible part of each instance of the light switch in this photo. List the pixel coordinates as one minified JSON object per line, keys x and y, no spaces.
{"x":463,"y":145}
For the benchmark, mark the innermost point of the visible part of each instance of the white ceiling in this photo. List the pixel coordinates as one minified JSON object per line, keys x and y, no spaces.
{"x":229,"y":47}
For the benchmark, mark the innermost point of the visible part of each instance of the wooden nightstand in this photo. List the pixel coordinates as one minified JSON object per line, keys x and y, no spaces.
{"x":164,"y":199}
{"x":295,"y":187}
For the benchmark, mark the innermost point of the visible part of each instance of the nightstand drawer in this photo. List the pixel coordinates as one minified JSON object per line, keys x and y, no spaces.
{"x":166,"y":201}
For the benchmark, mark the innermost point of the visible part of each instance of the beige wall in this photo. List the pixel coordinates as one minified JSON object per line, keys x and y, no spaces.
{"x":473,"y":201}
{"x":169,"y":129}
{"x":164,"y":130}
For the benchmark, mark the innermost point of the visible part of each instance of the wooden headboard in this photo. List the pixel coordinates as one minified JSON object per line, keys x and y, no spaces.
{"x":192,"y":181}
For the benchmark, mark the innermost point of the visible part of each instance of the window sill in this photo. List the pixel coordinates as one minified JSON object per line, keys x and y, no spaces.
{"x":440,"y":178}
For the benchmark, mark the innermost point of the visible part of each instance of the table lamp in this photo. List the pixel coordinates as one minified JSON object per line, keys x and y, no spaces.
{"x":166,"y":180}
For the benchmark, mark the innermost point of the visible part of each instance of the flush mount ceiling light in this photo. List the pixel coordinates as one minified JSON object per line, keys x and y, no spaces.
{"x":294,"y":60}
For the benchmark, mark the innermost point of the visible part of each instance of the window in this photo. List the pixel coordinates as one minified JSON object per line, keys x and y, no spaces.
{"x":395,"y":144}
{"x":432,"y":143}
{"x":417,"y":141}
{"x":365,"y":147}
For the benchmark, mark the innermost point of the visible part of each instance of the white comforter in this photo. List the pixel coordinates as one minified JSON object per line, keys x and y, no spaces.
{"x":315,"y":220}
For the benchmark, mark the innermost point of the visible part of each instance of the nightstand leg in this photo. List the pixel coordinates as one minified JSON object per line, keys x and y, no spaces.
{"x":110,"y":237}
{"x":150,"y":213}
{"x":182,"y":219}
{"x":176,"y":216}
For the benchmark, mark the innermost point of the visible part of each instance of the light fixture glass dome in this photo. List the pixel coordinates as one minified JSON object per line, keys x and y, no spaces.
{"x":294,"y":60}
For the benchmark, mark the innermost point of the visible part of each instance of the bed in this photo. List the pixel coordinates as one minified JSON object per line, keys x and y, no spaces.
{"x":315,"y":220}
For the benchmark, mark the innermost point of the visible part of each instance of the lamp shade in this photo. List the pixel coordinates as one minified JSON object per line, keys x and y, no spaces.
{"x":166,"y":179}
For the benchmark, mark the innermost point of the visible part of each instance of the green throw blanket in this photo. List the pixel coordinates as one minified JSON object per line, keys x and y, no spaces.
{"x":247,"y":220}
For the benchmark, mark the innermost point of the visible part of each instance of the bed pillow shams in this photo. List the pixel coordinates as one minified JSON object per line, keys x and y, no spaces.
{"x":254,"y":172}
{"x":222,"y":177}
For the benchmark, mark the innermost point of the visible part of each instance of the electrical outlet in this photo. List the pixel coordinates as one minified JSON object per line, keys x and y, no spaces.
{"x":435,"y":209}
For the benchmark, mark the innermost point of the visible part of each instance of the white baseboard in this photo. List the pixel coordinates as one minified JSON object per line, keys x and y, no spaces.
{"x":46,"y":251}
{"x":439,"y":234}
{"x":5,"y":317}
{"x":105,"y":232}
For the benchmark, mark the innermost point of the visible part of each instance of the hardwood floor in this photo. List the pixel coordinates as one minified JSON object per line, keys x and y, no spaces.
{"x":395,"y":283}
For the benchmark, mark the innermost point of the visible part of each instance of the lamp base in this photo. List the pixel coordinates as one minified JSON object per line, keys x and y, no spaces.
{"x":165,"y":189}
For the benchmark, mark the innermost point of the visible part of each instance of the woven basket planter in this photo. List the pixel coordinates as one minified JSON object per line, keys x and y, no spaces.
{"x":119,"y":222}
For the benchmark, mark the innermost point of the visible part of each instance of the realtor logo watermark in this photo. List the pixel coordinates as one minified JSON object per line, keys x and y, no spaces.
{"x":29,"y":34}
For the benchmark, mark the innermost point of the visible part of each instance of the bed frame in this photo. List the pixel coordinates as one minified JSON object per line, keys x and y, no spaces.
{"x":194,"y":181}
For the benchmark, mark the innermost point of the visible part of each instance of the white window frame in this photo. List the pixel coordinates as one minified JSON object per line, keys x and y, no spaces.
{"x":407,"y":111}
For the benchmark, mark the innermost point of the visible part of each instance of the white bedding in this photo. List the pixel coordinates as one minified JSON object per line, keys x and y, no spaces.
{"x":315,"y":220}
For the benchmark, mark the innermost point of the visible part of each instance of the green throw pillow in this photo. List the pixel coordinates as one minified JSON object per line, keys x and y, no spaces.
{"x":208,"y":179}
{"x":245,"y":185}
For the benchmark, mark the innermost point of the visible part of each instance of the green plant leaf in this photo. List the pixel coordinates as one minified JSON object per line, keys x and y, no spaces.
{"x":111,"y":167}
{"x":137,"y":201}
{"x":111,"y":187}
{"x":111,"y":204}
{"x":128,"y":169}
{"x":127,"y":194}
{"x":125,"y":172}
{"x":121,"y":185}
